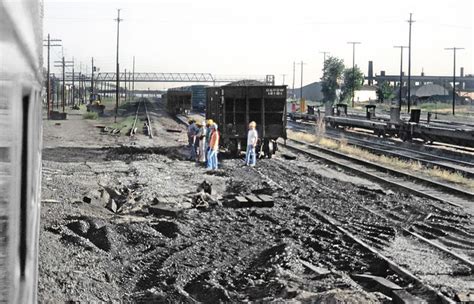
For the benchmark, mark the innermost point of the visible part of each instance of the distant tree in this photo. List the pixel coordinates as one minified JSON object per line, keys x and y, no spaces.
{"x":332,"y":77}
{"x":352,"y":79}
{"x":384,"y":92}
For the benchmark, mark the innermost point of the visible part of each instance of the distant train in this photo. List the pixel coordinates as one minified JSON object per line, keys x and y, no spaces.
{"x":21,"y":82}
{"x":429,"y":131}
{"x":233,"y":106}
{"x":177,"y":101}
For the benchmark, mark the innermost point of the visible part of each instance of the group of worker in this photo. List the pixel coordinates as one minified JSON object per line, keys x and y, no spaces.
{"x":203,"y":142}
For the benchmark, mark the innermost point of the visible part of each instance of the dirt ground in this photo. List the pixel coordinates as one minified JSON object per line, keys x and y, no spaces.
{"x":219,"y":253}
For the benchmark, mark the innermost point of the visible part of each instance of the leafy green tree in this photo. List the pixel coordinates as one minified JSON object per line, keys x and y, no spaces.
{"x":384,"y":92}
{"x":353,"y":79}
{"x":332,"y":78}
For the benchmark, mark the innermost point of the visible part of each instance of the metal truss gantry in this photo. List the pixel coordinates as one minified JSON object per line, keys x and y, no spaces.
{"x":169,"y":77}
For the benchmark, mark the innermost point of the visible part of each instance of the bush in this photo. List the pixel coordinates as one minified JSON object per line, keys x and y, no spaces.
{"x":90,"y":115}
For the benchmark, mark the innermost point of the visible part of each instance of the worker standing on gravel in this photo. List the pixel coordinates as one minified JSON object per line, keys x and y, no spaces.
{"x":192,"y":131}
{"x":202,"y":147}
{"x":213,"y":148}
{"x":252,"y":138}
{"x":209,"y":123}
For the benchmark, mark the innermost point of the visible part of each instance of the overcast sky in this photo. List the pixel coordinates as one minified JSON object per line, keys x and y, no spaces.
{"x":258,"y":37}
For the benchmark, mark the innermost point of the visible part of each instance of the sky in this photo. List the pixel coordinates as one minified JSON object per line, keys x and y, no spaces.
{"x":260,"y":37}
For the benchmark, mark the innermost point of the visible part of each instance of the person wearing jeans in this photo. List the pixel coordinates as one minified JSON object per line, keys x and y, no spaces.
{"x":252,"y":138}
{"x":213,"y":148}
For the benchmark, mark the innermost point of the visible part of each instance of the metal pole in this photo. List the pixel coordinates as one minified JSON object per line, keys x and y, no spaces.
{"x":401,"y":47}
{"x":353,"y":67}
{"x":301,"y":89}
{"x":133,"y":79}
{"x":49,"y":80}
{"x":294,"y":68}
{"x":73,"y":87}
{"x":64,"y":85}
{"x":454,"y":81}
{"x":324,"y":53}
{"x":92,"y":81}
{"x":409,"y":63}
{"x":48,"y":94}
{"x":454,"y":75}
{"x":118,"y":68}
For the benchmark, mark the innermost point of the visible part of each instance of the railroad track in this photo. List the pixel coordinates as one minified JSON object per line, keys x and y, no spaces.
{"x":430,"y":160}
{"x":373,"y":227}
{"x":415,"y":184}
{"x":147,"y":129}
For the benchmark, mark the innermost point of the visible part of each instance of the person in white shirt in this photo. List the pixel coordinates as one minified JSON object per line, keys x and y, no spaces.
{"x":252,"y":138}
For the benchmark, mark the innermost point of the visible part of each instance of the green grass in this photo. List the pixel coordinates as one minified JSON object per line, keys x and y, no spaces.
{"x":389,"y":161}
{"x":90,"y":115}
{"x":126,"y":123}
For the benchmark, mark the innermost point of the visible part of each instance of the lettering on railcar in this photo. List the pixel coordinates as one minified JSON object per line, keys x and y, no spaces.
{"x":275,"y":91}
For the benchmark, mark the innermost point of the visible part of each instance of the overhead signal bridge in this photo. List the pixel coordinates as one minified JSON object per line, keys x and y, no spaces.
{"x":170,"y":77}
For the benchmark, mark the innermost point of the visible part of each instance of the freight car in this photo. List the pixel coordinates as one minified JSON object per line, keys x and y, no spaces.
{"x":178,"y":101}
{"x":233,"y":106}
{"x":453,"y":134}
{"x":21,"y":82}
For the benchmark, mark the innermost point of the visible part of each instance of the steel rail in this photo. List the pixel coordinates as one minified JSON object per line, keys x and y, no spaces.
{"x":410,"y":187}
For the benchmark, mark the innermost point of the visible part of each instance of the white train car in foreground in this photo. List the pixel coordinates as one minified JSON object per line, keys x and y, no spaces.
{"x":20,"y":147}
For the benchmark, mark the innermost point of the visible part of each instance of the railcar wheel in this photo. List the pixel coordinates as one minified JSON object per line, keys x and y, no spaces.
{"x":235,"y":148}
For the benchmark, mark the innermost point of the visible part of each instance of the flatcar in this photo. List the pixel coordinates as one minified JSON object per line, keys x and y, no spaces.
{"x":21,"y":82}
{"x":453,"y":134}
{"x":233,"y":107}
{"x":178,"y":101}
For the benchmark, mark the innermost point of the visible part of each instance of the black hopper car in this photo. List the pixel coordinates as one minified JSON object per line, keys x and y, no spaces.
{"x":178,"y":101}
{"x":234,"y":106}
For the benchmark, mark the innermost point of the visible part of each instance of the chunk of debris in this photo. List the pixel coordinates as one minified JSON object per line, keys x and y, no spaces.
{"x":205,"y":186}
{"x":174,"y":130}
{"x":112,"y":206}
{"x":202,"y":200}
{"x":165,"y":210}
{"x":261,"y":200}
{"x":317,"y":270}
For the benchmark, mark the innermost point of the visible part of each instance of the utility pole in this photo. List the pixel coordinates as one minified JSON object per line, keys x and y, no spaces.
{"x":294,"y":68}
{"x":409,"y":62}
{"x":283,"y":75}
{"x":301,"y":89}
{"x":125,"y":84}
{"x":401,"y":47}
{"x":48,"y":89}
{"x":324,"y":53}
{"x":353,"y":67}
{"x":73,"y":87}
{"x":454,"y":74}
{"x":133,"y":79}
{"x":63,"y":63}
{"x":91,"y":92}
{"x":118,"y":69}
